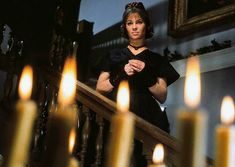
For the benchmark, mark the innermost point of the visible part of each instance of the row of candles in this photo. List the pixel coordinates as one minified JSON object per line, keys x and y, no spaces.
{"x":62,"y":120}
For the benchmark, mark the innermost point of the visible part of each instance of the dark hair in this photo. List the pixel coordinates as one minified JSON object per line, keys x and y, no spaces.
{"x":136,"y":7}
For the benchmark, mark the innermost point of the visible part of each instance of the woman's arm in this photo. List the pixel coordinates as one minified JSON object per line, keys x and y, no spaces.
{"x":159,"y":90}
{"x":103,"y":85}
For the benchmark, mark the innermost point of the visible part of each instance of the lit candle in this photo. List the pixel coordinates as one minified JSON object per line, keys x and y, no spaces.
{"x":225,"y":135}
{"x":72,"y":140}
{"x":62,"y":118}
{"x":192,"y":121}
{"x":122,"y":131}
{"x":18,"y":149}
{"x":158,"y":156}
{"x":73,"y":162}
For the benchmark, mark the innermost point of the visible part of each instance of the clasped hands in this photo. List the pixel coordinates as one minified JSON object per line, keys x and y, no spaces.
{"x":134,"y":66}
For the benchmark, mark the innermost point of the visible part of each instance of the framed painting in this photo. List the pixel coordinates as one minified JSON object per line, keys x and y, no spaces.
{"x":188,"y":16}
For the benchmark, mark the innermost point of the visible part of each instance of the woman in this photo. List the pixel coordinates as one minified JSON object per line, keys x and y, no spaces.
{"x":148,"y":73}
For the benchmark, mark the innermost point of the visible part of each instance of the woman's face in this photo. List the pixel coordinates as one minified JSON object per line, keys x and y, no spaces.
{"x":135,"y":27}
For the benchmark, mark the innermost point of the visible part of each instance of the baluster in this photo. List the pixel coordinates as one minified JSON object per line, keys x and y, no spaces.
{"x":149,"y":154}
{"x":99,"y":142}
{"x":77,"y":147}
{"x":85,"y":135}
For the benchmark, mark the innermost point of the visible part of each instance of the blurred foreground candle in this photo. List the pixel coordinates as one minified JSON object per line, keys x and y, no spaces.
{"x":191,"y":121}
{"x":122,"y":131}
{"x":18,"y":149}
{"x":73,"y":162}
{"x":225,"y":135}
{"x":62,"y":119}
{"x":158,"y":156}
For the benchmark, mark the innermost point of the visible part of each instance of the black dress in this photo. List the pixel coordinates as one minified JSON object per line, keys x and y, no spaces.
{"x":142,"y":103}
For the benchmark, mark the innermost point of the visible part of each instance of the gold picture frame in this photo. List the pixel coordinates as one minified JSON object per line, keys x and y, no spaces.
{"x":188,"y":16}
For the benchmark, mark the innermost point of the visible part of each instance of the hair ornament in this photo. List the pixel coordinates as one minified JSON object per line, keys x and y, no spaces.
{"x":135,"y":5}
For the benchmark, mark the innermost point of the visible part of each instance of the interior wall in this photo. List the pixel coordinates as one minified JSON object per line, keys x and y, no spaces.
{"x":215,"y":84}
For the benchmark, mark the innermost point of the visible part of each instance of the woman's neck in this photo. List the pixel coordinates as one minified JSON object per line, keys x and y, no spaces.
{"x":136,"y":45}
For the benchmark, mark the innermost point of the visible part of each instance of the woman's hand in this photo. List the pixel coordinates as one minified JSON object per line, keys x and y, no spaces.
{"x":134,"y":66}
{"x":129,"y":70}
{"x":137,"y":65}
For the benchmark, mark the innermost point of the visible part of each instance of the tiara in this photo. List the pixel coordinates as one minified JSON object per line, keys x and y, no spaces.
{"x":135,"y":5}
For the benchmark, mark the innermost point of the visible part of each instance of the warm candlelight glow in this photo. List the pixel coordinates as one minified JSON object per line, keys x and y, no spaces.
{"x":68,"y":82}
{"x":158,"y":154}
{"x":26,"y":82}
{"x":227,"y":110}
{"x":123,"y":97}
{"x":72,"y":139}
{"x":192,"y":83}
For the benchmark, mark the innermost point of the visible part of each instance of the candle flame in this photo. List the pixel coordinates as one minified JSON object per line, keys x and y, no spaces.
{"x":227,"y":110}
{"x":158,"y":154}
{"x":26,"y":82}
{"x":72,"y":139}
{"x":123,"y":97}
{"x":192,"y":83}
{"x":68,"y":82}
